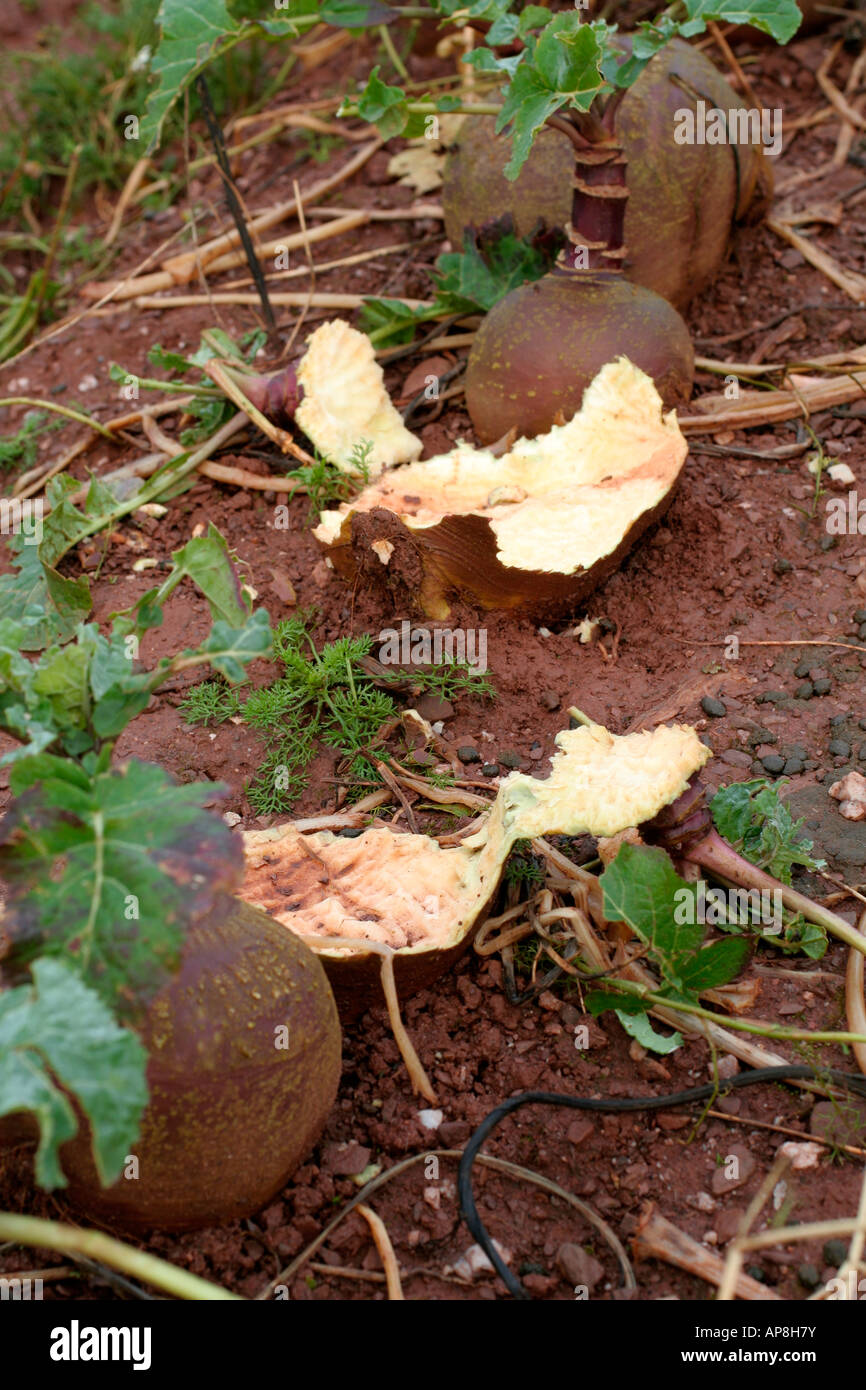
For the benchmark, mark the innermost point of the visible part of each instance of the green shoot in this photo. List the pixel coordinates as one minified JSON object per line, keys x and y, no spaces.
{"x":323,"y":698}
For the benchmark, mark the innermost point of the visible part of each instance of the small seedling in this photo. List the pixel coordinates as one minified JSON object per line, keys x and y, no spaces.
{"x":324,"y":696}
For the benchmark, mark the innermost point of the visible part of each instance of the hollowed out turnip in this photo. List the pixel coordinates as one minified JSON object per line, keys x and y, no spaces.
{"x":683,"y":199}
{"x":244,"y":1047}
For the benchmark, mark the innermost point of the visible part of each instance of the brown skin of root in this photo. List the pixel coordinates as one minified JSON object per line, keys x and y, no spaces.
{"x":682,"y":198}
{"x":231,"y":1115}
{"x":356,"y":979}
{"x":458,"y":556}
{"x":541,"y":346}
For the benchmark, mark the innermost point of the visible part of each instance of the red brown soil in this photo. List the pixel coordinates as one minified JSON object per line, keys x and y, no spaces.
{"x":738,"y":553}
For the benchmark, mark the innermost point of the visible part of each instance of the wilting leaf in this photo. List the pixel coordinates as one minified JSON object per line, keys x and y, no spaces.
{"x":639,"y":1026}
{"x":107,"y":872}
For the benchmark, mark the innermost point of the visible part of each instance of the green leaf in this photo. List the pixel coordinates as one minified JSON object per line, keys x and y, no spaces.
{"x":53,"y":604}
{"x":384,"y":107}
{"x":191,"y":33}
{"x":641,"y":887}
{"x":493,"y":262}
{"x":108,"y":874}
{"x":639,"y":1026}
{"x":713,"y":965}
{"x":228,"y":650}
{"x":779,"y":18}
{"x":754,"y":819}
{"x":356,"y":14}
{"x":567,"y":57}
{"x":528,"y":103}
{"x":57,"y":1030}
{"x":647,"y":40}
{"x":208,"y":562}
{"x":390,"y":321}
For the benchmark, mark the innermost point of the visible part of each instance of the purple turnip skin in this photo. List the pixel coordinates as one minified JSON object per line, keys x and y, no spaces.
{"x":277,"y":396}
{"x":541,"y":345}
{"x":233,"y":1110}
{"x":683,"y":199}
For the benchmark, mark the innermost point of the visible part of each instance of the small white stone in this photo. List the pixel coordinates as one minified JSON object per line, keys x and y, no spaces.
{"x":841,"y":474}
{"x":231,"y":818}
{"x":802,"y":1155}
{"x":430,"y":1119}
{"x":474,"y":1261}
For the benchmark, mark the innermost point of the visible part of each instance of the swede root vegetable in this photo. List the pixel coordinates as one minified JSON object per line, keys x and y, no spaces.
{"x":683,"y":199}
{"x":540,"y":347}
{"x":244,"y":1048}
{"x":536,"y":529}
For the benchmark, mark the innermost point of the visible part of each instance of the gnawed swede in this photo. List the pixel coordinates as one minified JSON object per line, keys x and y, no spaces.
{"x":244,"y":1048}
{"x":423,"y":903}
{"x":536,"y":529}
{"x":683,"y":199}
{"x":540,"y":347}
{"x":336,"y":394}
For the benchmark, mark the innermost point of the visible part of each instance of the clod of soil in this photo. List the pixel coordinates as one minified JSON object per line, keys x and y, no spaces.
{"x":683,"y":199}
{"x":235,"y":1104}
{"x":406,"y":895}
{"x":537,"y":529}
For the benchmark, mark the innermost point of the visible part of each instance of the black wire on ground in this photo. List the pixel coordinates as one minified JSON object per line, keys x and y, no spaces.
{"x":850,"y":1081}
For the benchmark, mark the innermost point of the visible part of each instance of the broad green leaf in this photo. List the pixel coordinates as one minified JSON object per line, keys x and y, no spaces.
{"x":753,"y":817}
{"x":109,"y":876}
{"x":639,"y":1026}
{"x":57,"y":1030}
{"x":228,"y":650}
{"x":484,"y":61}
{"x":52,"y":604}
{"x":713,"y":965}
{"x":779,"y":18}
{"x":623,"y":70}
{"x":493,"y":262}
{"x":191,"y":33}
{"x":387,"y":109}
{"x":390,"y":321}
{"x":567,"y":58}
{"x":528,"y":103}
{"x":209,"y":564}
{"x":641,"y":887}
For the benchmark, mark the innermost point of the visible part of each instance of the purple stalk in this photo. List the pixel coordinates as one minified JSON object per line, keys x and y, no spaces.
{"x":277,"y":396}
{"x":595,"y":235}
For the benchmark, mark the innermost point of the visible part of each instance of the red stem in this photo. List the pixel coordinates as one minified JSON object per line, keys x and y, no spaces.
{"x":596,"y":231}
